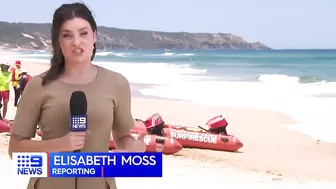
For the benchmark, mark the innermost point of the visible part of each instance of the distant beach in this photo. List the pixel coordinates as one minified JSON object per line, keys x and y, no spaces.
{"x":259,"y":93}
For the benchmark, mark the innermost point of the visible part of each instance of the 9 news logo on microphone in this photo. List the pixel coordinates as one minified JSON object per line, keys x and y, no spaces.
{"x":78,"y":122}
{"x":30,"y":164}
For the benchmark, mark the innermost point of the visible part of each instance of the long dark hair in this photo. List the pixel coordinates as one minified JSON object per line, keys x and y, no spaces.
{"x":62,"y":14}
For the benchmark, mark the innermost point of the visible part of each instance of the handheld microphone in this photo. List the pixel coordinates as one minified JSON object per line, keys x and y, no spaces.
{"x":78,"y":108}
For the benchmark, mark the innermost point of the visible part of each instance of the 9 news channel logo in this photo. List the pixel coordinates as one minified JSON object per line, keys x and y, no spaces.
{"x":30,"y":164}
{"x":78,"y":122}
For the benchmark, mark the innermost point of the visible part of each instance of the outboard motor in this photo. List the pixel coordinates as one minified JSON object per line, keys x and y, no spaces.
{"x":217,"y":125}
{"x":154,"y":125}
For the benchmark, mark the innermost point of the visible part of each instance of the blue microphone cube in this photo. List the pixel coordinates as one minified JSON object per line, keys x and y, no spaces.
{"x":78,"y":122}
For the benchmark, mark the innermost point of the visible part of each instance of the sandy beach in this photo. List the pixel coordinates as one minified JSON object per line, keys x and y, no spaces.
{"x":271,"y":157}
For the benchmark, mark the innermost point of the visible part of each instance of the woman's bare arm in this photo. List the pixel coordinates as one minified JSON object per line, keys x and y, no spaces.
{"x":19,"y":144}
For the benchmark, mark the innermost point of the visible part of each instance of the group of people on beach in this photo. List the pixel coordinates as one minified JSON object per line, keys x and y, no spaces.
{"x":17,"y":77}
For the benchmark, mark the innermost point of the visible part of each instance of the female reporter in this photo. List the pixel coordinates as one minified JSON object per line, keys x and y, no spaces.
{"x":45,"y":101}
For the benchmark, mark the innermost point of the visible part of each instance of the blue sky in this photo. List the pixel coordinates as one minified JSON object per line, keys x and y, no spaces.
{"x":281,"y":24}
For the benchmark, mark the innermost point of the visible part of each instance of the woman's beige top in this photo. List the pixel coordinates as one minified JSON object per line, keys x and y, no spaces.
{"x":109,"y":107}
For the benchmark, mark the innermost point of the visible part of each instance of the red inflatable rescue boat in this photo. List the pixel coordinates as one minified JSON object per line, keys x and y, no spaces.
{"x":5,"y":125}
{"x":214,"y":138}
{"x":154,"y":143}
{"x":157,"y":144}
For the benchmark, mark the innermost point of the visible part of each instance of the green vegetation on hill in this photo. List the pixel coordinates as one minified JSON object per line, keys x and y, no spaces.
{"x":37,"y":36}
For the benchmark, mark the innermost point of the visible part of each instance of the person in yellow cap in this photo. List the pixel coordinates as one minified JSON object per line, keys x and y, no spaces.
{"x":16,"y":80}
{"x":5,"y":79}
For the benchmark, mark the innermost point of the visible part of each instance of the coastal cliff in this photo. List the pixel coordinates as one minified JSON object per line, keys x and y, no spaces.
{"x":37,"y":36}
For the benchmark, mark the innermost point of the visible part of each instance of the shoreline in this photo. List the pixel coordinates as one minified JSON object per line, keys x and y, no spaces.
{"x":271,"y":154}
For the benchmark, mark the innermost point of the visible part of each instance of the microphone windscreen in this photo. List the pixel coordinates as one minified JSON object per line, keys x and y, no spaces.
{"x":78,"y":103}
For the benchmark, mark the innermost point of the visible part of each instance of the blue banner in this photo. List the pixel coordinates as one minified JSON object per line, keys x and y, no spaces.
{"x":100,"y":164}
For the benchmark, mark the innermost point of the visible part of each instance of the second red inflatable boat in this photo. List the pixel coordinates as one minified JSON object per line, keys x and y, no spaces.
{"x":214,"y":138}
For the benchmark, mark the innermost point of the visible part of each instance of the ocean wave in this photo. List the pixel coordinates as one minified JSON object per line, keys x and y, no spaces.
{"x":310,"y":79}
{"x":103,"y":53}
{"x":285,"y":79}
{"x":171,"y":54}
{"x":112,"y":54}
{"x":155,"y":73}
